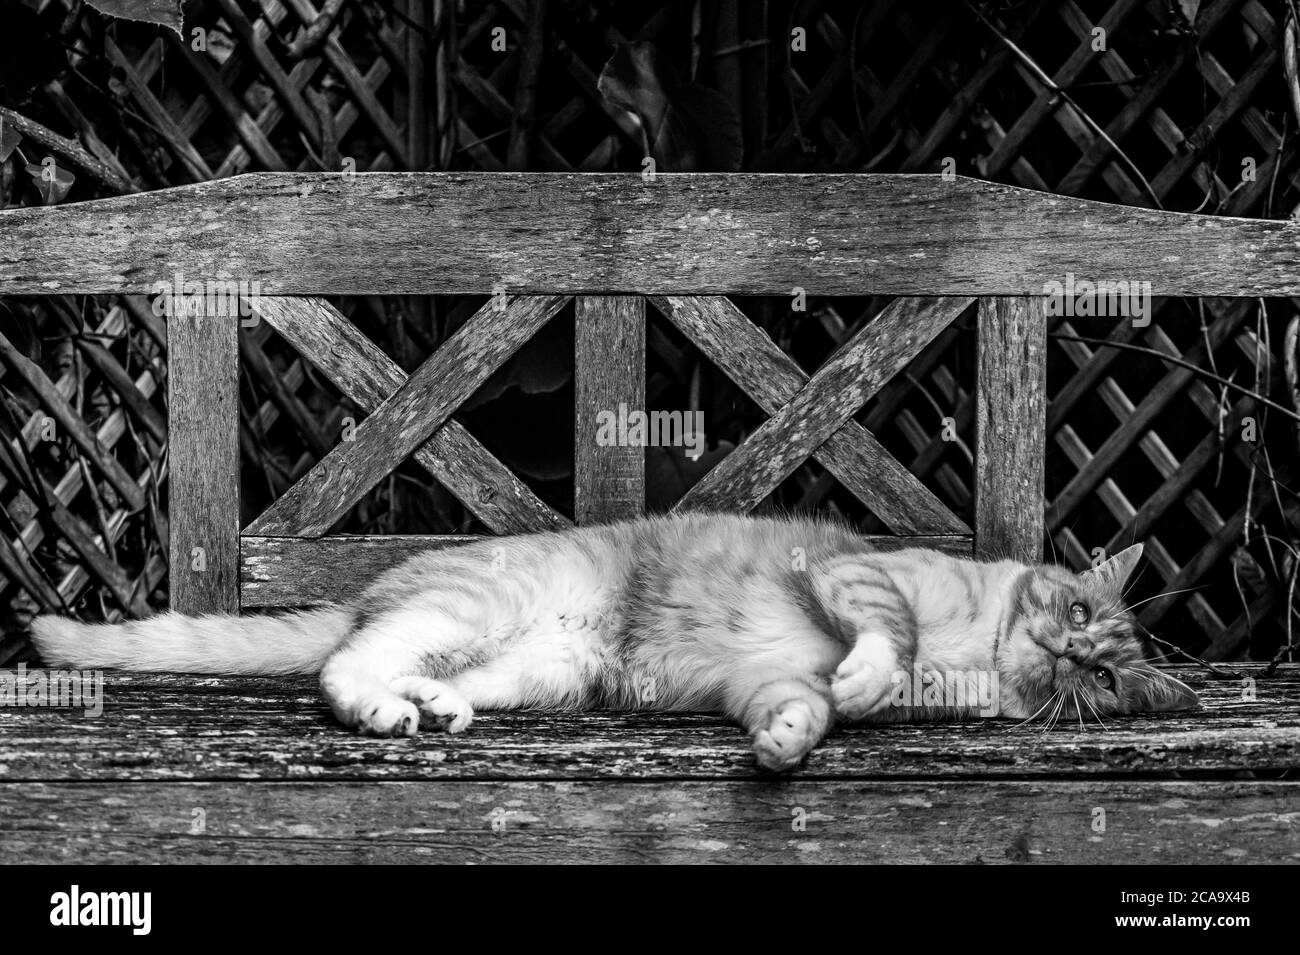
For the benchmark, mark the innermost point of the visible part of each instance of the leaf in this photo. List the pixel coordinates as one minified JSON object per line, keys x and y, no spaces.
{"x":165,"y":13}
{"x":541,"y":367}
{"x":52,"y":181}
{"x":1249,"y":571}
{"x":687,"y":127}
{"x":1189,"y":8}
{"x":634,"y":80}
{"x":9,"y":139}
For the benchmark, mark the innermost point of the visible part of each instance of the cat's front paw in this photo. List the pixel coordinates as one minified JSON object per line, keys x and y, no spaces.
{"x":387,"y":715}
{"x":864,"y":682}
{"x":437,"y":701}
{"x":790,"y":734}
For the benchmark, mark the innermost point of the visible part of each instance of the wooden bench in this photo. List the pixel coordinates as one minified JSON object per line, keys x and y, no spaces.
{"x":529,"y":786}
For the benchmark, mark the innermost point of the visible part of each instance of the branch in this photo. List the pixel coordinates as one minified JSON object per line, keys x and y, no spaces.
{"x":1155,"y":353}
{"x":1052,"y":85}
{"x":313,"y":35}
{"x":69,"y":149}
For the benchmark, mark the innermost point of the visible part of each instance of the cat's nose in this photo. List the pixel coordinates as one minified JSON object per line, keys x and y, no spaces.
{"x":1078,"y":647}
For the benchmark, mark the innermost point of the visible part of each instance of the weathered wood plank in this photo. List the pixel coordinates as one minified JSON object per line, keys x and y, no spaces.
{"x":167,"y":728}
{"x":203,"y":454}
{"x":1010,"y":423}
{"x":848,"y":379}
{"x":772,"y":378}
{"x":823,"y":822}
{"x":609,"y":374}
{"x":407,"y":418}
{"x":307,"y":571}
{"x":362,"y":372}
{"x":431,"y":233}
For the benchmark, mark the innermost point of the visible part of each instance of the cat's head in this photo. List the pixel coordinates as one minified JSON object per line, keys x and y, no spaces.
{"x":1072,"y":648}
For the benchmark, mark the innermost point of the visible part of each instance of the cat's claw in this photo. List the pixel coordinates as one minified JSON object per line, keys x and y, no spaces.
{"x":790,"y":735}
{"x":388,"y":716}
{"x":438,"y":702}
{"x":864,"y":682}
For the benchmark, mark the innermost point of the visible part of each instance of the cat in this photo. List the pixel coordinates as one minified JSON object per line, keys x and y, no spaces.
{"x":785,"y":625}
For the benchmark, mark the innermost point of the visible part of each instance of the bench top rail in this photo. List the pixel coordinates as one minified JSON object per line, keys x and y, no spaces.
{"x":679,"y":234}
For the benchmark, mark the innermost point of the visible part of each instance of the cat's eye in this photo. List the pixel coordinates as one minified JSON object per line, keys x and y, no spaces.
{"x":1078,"y":614}
{"x":1105,"y":679}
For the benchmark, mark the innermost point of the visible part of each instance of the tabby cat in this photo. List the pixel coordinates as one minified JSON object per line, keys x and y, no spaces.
{"x":785,"y":625}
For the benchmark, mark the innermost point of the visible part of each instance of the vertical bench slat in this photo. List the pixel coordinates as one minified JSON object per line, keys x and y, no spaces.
{"x":609,"y":371}
{"x":202,"y":402}
{"x":1010,"y":423}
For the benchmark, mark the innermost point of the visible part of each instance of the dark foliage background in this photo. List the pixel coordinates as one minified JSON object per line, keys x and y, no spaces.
{"x":1181,"y":105}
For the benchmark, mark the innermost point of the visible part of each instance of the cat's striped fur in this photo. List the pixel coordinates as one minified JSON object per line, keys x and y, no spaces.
{"x":785,"y":625}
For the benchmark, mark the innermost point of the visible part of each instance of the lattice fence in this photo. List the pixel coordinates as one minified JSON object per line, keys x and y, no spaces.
{"x":1177,"y":105}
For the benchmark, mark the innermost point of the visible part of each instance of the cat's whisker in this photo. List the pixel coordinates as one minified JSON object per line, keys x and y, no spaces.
{"x":1078,"y":710}
{"x":1030,"y":717}
{"x":1100,"y":721}
{"x":1056,"y":712}
{"x":1153,"y":674}
{"x":1159,"y":641}
{"x":1167,"y":593}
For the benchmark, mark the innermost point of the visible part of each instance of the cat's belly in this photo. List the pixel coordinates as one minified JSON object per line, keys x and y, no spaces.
{"x":554,"y":660}
{"x":579,"y":659}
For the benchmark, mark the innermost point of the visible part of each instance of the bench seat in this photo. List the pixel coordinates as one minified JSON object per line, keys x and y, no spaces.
{"x":203,"y":769}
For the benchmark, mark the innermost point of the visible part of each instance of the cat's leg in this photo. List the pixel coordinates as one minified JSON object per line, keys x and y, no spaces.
{"x":863,"y":683}
{"x":378,"y":681}
{"x":870,"y":605}
{"x":786,"y":718}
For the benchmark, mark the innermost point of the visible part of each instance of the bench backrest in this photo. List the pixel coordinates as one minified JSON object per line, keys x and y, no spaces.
{"x":618,"y":243}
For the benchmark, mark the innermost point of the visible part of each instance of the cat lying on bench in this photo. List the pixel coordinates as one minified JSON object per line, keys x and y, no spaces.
{"x":786,"y":625}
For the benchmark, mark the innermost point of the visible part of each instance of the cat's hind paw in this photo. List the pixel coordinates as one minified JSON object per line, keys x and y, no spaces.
{"x":791,"y":733}
{"x":864,"y":682}
{"x":437,"y":702}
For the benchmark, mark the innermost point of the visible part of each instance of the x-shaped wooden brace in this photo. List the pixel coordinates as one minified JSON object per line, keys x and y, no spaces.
{"x":814,"y":416}
{"x":407,"y":415}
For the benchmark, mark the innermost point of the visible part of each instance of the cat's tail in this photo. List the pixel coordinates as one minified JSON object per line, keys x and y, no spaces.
{"x":256,"y":645}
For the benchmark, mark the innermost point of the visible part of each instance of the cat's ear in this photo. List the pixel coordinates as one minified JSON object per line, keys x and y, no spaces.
{"x":1158,"y":692}
{"x":1114,"y":572}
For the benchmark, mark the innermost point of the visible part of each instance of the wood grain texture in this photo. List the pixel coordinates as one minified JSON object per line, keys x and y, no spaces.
{"x":772,"y":378}
{"x":362,"y":372}
{"x":608,"y":375}
{"x":170,"y":728}
{"x":203,"y":455}
{"x":407,"y":418}
{"x":714,"y":822}
{"x":1010,"y":423}
{"x":604,"y":233}
{"x":307,"y":571}
{"x":849,"y":378}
